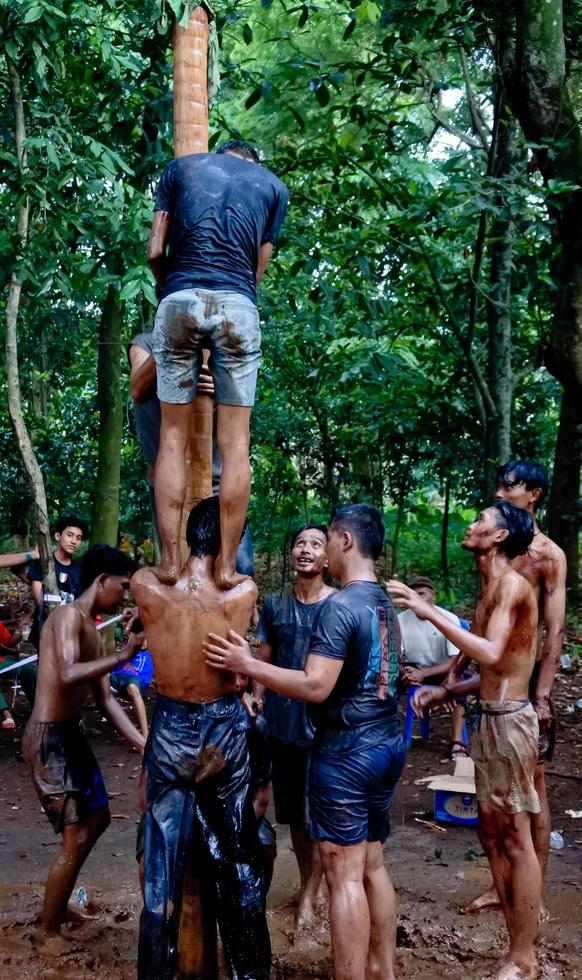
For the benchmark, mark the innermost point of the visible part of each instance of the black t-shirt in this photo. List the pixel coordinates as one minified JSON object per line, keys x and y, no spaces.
{"x":359,"y":626}
{"x":222,"y":209}
{"x":68,"y":578}
{"x":148,"y":417}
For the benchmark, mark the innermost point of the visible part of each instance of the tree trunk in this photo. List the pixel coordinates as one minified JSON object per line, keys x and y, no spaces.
{"x":445,"y":535}
{"x":105,"y":517}
{"x":565,"y":511}
{"x":12,"y":373}
{"x":538,"y":87}
{"x":499,"y":300}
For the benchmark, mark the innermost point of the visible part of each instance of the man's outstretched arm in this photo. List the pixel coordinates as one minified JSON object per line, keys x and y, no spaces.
{"x":486,"y":650}
{"x":73,"y":671}
{"x":313,"y":684}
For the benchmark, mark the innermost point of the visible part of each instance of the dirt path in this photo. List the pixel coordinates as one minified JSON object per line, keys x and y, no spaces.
{"x":434,"y":874}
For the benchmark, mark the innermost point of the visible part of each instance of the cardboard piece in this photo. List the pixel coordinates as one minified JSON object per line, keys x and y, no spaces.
{"x":455,"y":800}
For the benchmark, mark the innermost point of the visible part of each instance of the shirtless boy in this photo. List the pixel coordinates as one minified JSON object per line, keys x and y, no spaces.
{"x":524,"y":483}
{"x":198,"y":775}
{"x":505,"y":749}
{"x":66,"y":776}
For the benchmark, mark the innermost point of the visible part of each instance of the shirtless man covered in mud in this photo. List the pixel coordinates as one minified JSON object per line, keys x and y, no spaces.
{"x":524,"y":483}
{"x":197,"y":763}
{"x":66,"y":776}
{"x":505,"y":749}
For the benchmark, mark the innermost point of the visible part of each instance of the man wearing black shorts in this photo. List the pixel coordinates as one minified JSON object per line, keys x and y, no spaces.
{"x":352,"y":675}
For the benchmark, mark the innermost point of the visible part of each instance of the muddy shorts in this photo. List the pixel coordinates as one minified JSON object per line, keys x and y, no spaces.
{"x":505,"y":753}
{"x":547,"y":737}
{"x":290,"y":772}
{"x":350,"y":793}
{"x":225,"y":323}
{"x":198,"y":795}
{"x":64,"y":771}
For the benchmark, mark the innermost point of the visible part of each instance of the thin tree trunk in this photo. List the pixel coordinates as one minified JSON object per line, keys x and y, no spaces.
{"x":445,"y":534}
{"x":105,"y":517}
{"x":399,"y":518}
{"x":501,"y":380}
{"x":12,"y":372}
{"x":565,"y":512}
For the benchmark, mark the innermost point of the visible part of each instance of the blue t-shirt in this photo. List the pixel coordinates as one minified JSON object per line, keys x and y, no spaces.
{"x":139,"y":668}
{"x":222,"y":209}
{"x":286,"y":625}
{"x":359,"y":626}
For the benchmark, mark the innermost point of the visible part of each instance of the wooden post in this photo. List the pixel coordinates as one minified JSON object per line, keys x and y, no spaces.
{"x":197,"y":955}
{"x":191,"y":136}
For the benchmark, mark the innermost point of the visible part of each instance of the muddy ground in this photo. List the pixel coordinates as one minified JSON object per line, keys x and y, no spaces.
{"x":435,"y":873}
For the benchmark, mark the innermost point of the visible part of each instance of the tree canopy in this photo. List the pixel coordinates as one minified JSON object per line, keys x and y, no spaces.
{"x":411,"y":315}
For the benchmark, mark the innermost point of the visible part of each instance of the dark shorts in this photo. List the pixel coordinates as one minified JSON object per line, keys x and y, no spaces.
{"x":198,"y":795}
{"x":289,"y":777}
{"x":64,"y":771}
{"x":121,"y":682}
{"x":547,"y":737}
{"x":350,"y":794}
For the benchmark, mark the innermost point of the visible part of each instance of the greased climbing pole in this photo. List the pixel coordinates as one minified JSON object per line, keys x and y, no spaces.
{"x":197,"y":940}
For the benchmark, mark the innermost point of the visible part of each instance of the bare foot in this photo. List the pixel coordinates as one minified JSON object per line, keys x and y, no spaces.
{"x":488,"y":900}
{"x":227,"y":578}
{"x":514,"y":971}
{"x":167,"y":575}
{"x":305,"y":917}
{"x":544,"y":915}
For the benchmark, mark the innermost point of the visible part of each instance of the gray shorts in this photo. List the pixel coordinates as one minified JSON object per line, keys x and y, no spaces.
{"x":225,"y":323}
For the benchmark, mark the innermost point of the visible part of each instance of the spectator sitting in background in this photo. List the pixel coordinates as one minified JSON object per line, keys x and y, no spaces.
{"x":11,"y":634}
{"x":131,"y":679}
{"x":429,"y":655}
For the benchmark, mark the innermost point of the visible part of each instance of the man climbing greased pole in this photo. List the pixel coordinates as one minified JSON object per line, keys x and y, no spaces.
{"x":218,"y":215}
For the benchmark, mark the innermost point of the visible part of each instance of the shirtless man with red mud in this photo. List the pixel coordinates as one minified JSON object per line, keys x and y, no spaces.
{"x":66,"y":776}
{"x":505,"y":749}
{"x":197,"y":763}
{"x":524,"y":483}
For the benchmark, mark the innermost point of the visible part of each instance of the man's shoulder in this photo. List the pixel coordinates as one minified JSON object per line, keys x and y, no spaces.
{"x":144,"y":580}
{"x":71,"y":616}
{"x":550,"y":552}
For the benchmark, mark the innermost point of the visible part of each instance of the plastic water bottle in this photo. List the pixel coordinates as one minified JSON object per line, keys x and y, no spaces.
{"x":556,"y":841}
{"x":83,"y":898}
{"x":565,"y":661}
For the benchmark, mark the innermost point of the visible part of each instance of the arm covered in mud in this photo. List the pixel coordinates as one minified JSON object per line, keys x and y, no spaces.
{"x":554,"y":610}
{"x":67,"y":626}
{"x":486,"y":650}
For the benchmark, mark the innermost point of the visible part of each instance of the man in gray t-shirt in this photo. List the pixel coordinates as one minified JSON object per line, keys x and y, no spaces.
{"x":284,"y":632}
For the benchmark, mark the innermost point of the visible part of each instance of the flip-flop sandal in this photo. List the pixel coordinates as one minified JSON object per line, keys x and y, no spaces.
{"x":8,"y":723}
{"x":459,"y":750}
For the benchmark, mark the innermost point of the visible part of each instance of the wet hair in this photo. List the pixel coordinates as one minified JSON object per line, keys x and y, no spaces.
{"x":101,"y":559}
{"x":203,"y":528}
{"x":365,"y":524}
{"x":241,"y":148}
{"x":528,"y":472}
{"x":71,"y":520}
{"x":519,"y":523}
{"x":307,"y":527}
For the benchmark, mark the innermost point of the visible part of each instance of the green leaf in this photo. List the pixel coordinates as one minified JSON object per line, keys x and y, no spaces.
{"x":322,"y":95}
{"x":131,"y":289}
{"x":33,"y":13}
{"x":247,"y":34}
{"x":303,"y":16}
